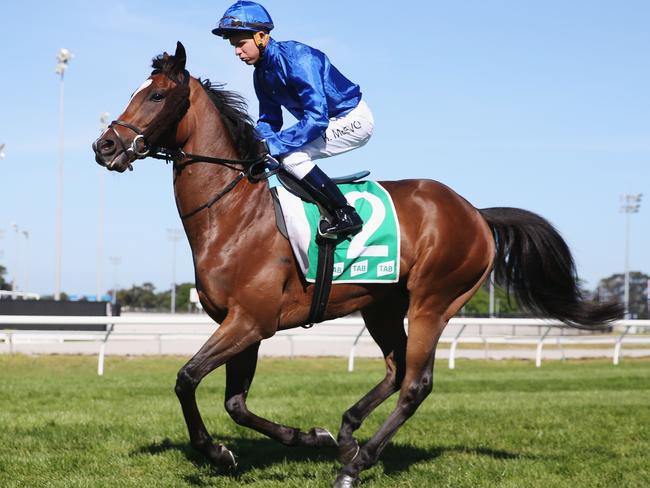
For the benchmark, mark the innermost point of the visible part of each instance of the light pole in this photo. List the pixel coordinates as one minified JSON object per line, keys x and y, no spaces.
{"x":174,"y":235}
{"x":14,"y":279}
{"x":630,"y":203}
{"x":491,"y":302}
{"x":103,"y":124}
{"x":2,"y":234}
{"x":63,"y":58}
{"x":115,"y":261}
{"x":26,"y":258}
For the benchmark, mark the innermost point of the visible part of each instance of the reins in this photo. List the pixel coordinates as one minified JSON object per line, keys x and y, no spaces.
{"x":141,"y":149}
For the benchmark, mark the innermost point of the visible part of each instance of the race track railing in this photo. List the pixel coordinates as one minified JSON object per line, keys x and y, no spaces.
{"x":536,"y":332}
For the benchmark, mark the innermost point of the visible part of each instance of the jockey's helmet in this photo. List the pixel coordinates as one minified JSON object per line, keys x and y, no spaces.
{"x":244,"y":16}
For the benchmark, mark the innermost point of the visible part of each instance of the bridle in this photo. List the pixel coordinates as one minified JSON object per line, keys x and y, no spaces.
{"x":140,"y":147}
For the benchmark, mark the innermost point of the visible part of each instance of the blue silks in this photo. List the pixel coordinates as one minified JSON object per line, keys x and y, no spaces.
{"x":304,"y":81}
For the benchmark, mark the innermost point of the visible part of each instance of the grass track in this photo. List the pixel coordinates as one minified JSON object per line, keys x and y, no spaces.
{"x":487,"y":424}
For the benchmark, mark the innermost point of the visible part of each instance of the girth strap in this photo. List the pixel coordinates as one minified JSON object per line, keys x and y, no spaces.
{"x":323,"y":282}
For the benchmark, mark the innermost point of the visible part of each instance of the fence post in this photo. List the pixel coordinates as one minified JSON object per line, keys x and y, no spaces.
{"x":617,"y":346}
{"x":558,"y":341}
{"x":353,"y":348}
{"x":102,"y":350}
{"x":452,"y":349}
{"x":540,"y":345}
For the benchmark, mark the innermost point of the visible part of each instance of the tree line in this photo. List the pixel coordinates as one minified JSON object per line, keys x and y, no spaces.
{"x":144,"y":297}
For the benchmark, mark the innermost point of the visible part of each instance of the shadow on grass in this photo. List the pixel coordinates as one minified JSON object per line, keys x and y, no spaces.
{"x":263,"y":453}
{"x":397,"y":458}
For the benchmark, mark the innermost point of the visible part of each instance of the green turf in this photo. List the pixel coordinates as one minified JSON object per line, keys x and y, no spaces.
{"x":487,"y":424}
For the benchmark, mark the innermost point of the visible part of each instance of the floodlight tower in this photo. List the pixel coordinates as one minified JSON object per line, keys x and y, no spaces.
{"x":115,"y":261}
{"x":63,"y":58}
{"x":630,"y":203}
{"x":103,"y":125}
{"x":14,"y":278}
{"x":26,"y":258}
{"x":174,"y":235}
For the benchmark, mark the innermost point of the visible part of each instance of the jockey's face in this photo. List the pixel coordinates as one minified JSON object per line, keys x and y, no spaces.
{"x":245,"y":47}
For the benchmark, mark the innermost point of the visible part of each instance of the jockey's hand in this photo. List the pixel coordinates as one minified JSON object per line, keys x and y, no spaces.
{"x":263,"y":148}
{"x":271,"y":162}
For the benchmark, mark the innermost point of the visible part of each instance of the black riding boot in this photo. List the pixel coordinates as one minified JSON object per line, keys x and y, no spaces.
{"x":345,"y":219}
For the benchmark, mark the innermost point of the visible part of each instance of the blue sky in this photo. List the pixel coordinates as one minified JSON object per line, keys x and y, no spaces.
{"x":538,"y":105}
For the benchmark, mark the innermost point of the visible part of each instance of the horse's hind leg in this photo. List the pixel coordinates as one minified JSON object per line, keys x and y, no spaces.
{"x":385,"y":322}
{"x":424,"y":331}
{"x":429,"y":312}
{"x":239,"y":376}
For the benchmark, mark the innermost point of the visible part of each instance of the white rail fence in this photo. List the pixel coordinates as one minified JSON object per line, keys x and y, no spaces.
{"x":498,"y":332}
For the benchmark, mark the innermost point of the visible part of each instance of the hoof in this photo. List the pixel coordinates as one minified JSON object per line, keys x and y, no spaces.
{"x":222,"y":457}
{"x":344,"y":481}
{"x":348,"y":452}
{"x":322,"y":437}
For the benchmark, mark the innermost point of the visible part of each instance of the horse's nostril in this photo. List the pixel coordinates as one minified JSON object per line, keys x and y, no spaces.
{"x":106,"y":146}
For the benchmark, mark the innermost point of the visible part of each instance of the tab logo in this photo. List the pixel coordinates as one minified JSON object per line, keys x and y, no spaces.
{"x":386,"y":268}
{"x":359,"y":268}
{"x":338,"y":269}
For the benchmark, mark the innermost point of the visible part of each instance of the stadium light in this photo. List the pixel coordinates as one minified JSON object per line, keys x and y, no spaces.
{"x":174,"y":235}
{"x":630,"y":203}
{"x":115,"y":261}
{"x":26,"y":258}
{"x":14,"y":274}
{"x":63,"y":59}
{"x":103,"y":124}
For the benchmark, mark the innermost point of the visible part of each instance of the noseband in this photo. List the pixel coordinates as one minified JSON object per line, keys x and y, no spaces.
{"x":176,"y":107}
{"x":132,"y":150}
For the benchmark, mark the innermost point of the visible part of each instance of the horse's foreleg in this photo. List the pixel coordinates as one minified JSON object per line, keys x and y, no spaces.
{"x":416,"y":386}
{"x":239,"y":376}
{"x":385,"y":322}
{"x":226,"y":342}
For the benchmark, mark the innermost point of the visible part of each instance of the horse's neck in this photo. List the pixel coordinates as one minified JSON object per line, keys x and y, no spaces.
{"x":199,"y":183}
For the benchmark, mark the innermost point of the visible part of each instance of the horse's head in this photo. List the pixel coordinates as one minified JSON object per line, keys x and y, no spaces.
{"x":151,"y":116}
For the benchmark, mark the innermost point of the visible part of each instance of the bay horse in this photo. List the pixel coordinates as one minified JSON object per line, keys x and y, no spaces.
{"x":249,"y":281}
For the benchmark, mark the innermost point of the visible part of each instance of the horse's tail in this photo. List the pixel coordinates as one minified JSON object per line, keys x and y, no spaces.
{"x":533,"y":261}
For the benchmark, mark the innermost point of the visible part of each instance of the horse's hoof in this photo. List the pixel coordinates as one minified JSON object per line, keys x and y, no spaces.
{"x":322,"y":437}
{"x":222,"y":457}
{"x":348,"y":452}
{"x":344,"y":481}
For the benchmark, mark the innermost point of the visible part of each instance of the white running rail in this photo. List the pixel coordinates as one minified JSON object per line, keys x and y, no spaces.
{"x":536,"y":332}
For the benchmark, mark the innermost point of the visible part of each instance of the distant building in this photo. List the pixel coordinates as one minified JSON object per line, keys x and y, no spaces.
{"x":613,"y":288}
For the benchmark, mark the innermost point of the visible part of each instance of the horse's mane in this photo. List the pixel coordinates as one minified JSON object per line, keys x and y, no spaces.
{"x":234,"y":113}
{"x":231,"y":106}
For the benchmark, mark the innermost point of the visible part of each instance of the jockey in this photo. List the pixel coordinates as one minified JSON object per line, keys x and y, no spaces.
{"x":332,"y":118}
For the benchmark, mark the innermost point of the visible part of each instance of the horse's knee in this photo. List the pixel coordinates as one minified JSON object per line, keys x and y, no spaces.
{"x":236,"y":408}
{"x":185,"y":383}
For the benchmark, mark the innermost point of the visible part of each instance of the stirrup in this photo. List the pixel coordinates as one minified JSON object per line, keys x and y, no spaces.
{"x":336,"y":228}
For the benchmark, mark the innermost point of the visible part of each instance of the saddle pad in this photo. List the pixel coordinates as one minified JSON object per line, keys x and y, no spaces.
{"x":371,"y":256}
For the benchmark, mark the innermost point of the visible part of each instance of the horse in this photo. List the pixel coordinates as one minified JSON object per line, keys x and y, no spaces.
{"x":249,"y":282}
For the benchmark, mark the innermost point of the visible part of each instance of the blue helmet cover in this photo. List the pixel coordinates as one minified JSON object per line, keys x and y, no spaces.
{"x":244,"y":16}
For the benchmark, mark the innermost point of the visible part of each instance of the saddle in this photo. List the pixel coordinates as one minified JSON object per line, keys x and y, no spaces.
{"x":326,"y":246}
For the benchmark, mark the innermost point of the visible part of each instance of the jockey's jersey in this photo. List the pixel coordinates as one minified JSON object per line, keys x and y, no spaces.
{"x":304,"y":81}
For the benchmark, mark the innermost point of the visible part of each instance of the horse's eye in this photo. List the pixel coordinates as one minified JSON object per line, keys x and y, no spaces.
{"x":157,"y":97}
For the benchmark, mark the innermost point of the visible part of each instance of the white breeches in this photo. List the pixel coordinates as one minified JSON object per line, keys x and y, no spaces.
{"x":343,"y":134}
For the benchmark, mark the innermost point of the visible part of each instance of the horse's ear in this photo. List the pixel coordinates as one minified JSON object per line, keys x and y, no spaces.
{"x":179,"y":58}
